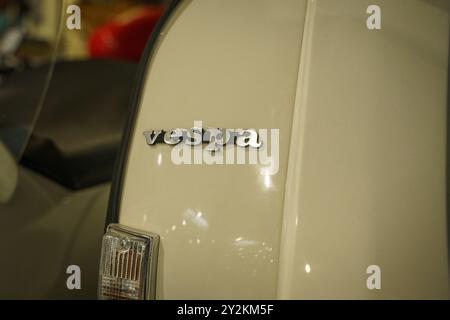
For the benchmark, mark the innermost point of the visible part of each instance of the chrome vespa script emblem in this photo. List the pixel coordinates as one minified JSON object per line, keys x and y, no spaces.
{"x":214,"y":138}
{"x":217,"y":146}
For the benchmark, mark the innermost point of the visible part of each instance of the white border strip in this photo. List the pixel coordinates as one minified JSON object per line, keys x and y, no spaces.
{"x":291,"y":211}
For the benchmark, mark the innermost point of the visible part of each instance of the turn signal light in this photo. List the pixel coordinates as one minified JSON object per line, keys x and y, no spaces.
{"x":128,"y":264}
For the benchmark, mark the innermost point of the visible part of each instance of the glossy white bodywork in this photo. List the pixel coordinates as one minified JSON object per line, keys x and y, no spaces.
{"x":366,"y":182}
{"x":362,"y":119}
{"x":220,"y":224}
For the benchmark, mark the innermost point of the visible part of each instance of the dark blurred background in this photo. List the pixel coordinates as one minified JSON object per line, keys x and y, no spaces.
{"x":64,"y":94}
{"x":110,"y":29}
{"x":64,"y":101}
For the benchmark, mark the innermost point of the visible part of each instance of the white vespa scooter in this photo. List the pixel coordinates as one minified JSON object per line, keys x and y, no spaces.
{"x":348,"y":107}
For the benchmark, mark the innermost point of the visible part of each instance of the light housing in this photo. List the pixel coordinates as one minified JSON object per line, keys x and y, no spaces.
{"x":128,"y":264}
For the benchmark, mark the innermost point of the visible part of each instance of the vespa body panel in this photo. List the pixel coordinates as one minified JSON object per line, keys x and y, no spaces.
{"x":362,"y":151}
{"x":366,"y":184}
{"x":220,"y":225}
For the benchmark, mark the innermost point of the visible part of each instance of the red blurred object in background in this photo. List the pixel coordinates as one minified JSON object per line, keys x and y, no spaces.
{"x":125,"y":36}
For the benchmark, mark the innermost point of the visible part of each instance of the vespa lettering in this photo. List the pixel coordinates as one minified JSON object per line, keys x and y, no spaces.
{"x":214,"y":138}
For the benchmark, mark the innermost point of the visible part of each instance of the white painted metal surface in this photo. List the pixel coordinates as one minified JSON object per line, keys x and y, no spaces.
{"x":362,"y":119}
{"x":231,"y":64}
{"x":366,"y":182}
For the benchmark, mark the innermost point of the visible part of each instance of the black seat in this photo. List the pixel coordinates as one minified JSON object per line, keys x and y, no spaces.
{"x":78,"y":132}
